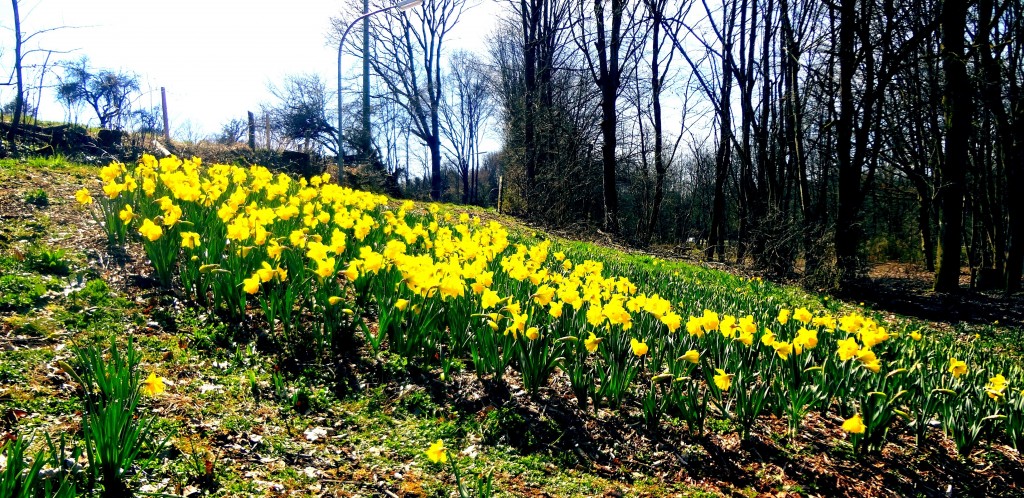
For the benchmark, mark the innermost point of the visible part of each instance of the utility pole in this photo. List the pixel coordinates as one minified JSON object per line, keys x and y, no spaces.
{"x":163,"y":105}
{"x":367,"y":141}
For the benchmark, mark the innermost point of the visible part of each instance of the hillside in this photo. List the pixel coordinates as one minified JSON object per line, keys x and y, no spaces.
{"x":300,"y":339}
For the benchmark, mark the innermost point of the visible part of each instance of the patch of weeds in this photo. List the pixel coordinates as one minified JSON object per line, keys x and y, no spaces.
{"x":720,"y":425}
{"x":31,"y":326}
{"x":237,"y":423}
{"x":45,"y":162}
{"x":96,"y":292}
{"x":37,"y":197}
{"x":376,"y":400}
{"x":11,"y":373}
{"x":48,"y":261}
{"x":53,"y":405}
{"x":417,"y":403}
{"x":394,"y":366}
{"x":94,"y":307}
{"x":843,"y":450}
{"x":205,"y":332}
{"x":25,"y":231}
{"x":19,"y":293}
{"x":9,"y":264}
{"x":506,"y":426}
{"x":199,"y":463}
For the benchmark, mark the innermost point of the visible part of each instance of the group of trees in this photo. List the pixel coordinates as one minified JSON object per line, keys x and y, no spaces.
{"x":111,"y":95}
{"x":796,"y":135}
{"x":811,"y":134}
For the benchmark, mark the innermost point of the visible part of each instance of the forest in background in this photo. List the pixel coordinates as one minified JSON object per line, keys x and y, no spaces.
{"x":803,"y":138}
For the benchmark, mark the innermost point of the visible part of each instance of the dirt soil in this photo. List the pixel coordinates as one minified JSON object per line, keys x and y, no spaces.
{"x":906,"y":289}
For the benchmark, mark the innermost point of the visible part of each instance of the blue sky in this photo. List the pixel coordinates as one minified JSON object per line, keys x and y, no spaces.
{"x":215,"y":57}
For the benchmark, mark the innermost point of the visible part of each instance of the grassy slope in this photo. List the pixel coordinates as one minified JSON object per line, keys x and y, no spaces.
{"x":267,"y":434}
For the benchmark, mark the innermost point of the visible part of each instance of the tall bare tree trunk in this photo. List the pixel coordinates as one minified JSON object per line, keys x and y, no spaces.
{"x":847,"y":224}
{"x":953,"y":169}
{"x":608,"y":45}
{"x":656,"y":9}
{"x":19,"y":98}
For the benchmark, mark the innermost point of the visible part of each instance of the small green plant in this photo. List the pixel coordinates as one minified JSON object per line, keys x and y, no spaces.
{"x":19,"y":293}
{"x":115,"y":435}
{"x":201,"y":464}
{"x":37,"y":197}
{"x":49,"y":261}
{"x":21,"y":479}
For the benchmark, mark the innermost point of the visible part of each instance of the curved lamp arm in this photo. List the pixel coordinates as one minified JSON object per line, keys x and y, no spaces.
{"x":403,"y":5}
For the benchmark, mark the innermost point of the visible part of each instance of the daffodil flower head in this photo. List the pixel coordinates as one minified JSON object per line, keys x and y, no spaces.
{"x":437,"y":453}
{"x":153,"y":385}
{"x":854,"y":425}
{"x":957,"y":367}
{"x":722,"y":379}
{"x":639,"y":348}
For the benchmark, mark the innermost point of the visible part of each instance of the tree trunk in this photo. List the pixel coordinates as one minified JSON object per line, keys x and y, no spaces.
{"x":958,"y":119}
{"x":847,"y":224}
{"x":609,"y":80}
{"x":659,"y":157}
{"x":19,"y":98}
{"x":531,"y":23}
{"x":716,"y":243}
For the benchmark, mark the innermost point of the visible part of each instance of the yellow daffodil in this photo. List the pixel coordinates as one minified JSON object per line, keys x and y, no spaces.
{"x":437,"y":453}
{"x":855,"y":425}
{"x":806,"y":338}
{"x":783,"y":349}
{"x":722,"y":379}
{"x":126,"y":214}
{"x":532,"y":333}
{"x":555,"y":309}
{"x":190,"y":240}
{"x":671,"y":320}
{"x":489,"y":299}
{"x":691,"y":356}
{"x":401,"y":304}
{"x":151,"y":231}
{"x":251,"y":285}
{"x":695,"y":326}
{"x":83,"y":197}
{"x":957,"y":367}
{"x":802,"y":315}
{"x":592,"y":342}
{"x":639,"y":348}
{"x":784,"y":316}
{"x":848,"y":348}
{"x":996,"y":387}
{"x":543,"y":295}
{"x":153,"y":385}
{"x":710,"y":321}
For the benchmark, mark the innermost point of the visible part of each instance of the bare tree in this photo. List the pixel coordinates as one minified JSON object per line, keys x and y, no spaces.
{"x":108,"y":93}
{"x":465,"y":111}
{"x":662,"y":33}
{"x":610,"y":29}
{"x":301,"y":112}
{"x":408,"y":57}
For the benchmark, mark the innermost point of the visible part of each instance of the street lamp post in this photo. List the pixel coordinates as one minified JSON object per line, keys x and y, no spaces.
{"x":403,"y":5}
